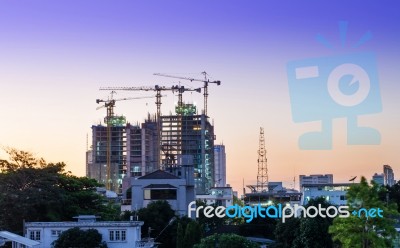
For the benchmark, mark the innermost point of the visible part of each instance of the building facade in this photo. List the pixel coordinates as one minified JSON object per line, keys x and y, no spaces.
{"x":190,"y":134}
{"x":334,"y":193}
{"x":389,"y":175}
{"x":315,"y":179}
{"x":139,"y":150}
{"x":220,"y":166}
{"x":379,"y":179}
{"x":134,"y":152}
{"x":173,"y":184}
{"x":117,"y":234}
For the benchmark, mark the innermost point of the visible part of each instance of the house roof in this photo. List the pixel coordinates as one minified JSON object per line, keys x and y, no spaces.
{"x":159,"y":174}
{"x":19,"y":239}
{"x":160,"y":186}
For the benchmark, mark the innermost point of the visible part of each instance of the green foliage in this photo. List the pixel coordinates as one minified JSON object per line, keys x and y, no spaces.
{"x":391,"y":194}
{"x":156,"y":217}
{"x":192,"y":234}
{"x":45,"y":192}
{"x":286,"y":233}
{"x":179,"y":236}
{"x":314,"y":231}
{"x":209,"y":224}
{"x":361,"y":231}
{"x":237,"y":201}
{"x":258,"y":227}
{"x":226,"y":241}
{"x":78,"y":238}
{"x":305,"y":232}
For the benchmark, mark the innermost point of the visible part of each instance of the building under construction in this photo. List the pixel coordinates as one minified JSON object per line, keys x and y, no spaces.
{"x":188,"y":133}
{"x":120,"y":152}
{"x":134,"y":150}
{"x":98,"y":167}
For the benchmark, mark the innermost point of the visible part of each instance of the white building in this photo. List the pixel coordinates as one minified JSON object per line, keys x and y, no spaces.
{"x":117,"y":234}
{"x":334,"y":193}
{"x":315,"y":179}
{"x":221,"y":196}
{"x":174,"y":185}
{"x":389,"y":175}
{"x":219,"y":165}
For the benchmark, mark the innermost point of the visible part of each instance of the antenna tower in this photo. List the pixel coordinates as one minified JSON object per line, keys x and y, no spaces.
{"x":262,"y":176}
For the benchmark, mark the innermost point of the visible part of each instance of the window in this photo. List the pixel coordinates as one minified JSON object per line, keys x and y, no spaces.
{"x":160,"y":194}
{"x":55,"y":233}
{"x":34,"y":235}
{"x":117,"y":235}
{"x":342,"y":197}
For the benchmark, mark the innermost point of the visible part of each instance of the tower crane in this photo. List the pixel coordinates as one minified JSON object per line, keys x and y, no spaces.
{"x":110,"y":104}
{"x":158,"y":90}
{"x":206,"y":81}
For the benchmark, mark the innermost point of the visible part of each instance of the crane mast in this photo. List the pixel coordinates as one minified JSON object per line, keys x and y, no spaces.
{"x":109,"y":104}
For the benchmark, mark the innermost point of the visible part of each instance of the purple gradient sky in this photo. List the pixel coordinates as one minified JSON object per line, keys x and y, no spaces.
{"x":55,"y":54}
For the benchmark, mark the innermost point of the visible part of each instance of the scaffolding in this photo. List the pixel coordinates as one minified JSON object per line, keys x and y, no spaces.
{"x":189,"y":135}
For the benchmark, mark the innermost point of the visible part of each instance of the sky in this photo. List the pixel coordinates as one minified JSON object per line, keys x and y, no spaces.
{"x":54,"y":56}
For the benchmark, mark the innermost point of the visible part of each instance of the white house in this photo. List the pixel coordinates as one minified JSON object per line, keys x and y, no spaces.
{"x":117,"y":234}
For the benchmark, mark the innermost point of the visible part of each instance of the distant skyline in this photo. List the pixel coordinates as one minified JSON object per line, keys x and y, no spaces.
{"x":54,"y":56}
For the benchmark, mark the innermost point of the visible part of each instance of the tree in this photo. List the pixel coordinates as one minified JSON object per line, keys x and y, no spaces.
{"x":192,"y":234}
{"x":361,"y":231}
{"x":314,"y":232}
{"x":305,"y":232}
{"x":391,"y":194}
{"x":258,"y":227}
{"x":226,"y":241}
{"x":156,"y":216}
{"x":286,"y":233}
{"x":209,"y":224}
{"x":45,"y":192}
{"x":78,"y":238}
{"x":180,"y":236}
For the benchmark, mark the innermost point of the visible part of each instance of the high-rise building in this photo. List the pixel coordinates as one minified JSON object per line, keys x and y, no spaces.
{"x":187,"y":133}
{"x":388,"y":175}
{"x":219,"y":166}
{"x":97,"y":169}
{"x":315,"y":179}
{"x":379,"y":179}
{"x":133,"y":152}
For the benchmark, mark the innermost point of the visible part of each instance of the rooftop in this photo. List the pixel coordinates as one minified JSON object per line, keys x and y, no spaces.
{"x":318,"y":185}
{"x":159,"y":174}
{"x":160,"y":186}
{"x":71,"y":224}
